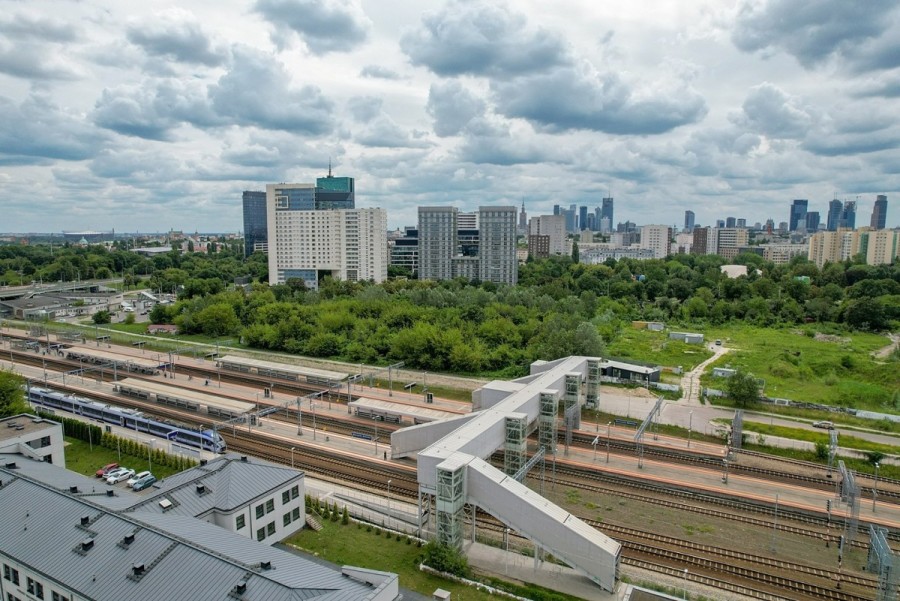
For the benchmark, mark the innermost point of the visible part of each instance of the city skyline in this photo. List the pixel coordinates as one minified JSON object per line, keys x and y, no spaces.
{"x":147,"y":118}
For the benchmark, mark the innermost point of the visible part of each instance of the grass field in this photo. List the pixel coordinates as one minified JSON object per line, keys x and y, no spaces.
{"x":82,"y":458}
{"x":837,"y":370}
{"x":655,"y":347}
{"x":356,"y":545}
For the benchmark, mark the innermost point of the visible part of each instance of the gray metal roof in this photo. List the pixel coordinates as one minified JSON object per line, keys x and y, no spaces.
{"x":184,"y":559}
{"x":229,"y":481}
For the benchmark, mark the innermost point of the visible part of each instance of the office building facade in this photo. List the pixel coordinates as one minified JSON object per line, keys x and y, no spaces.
{"x":812,"y":221}
{"x":689,"y":220}
{"x":256,"y":235}
{"x":879,"y":213}
{"x":848,"y":215}
{"x":606,"y":210}
{"x":834,"y":215}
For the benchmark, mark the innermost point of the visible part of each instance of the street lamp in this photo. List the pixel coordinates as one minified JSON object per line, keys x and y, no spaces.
{"x":292,"y":457}
{"x":608,"y":425}
{"x":389,"y":499}
{"x":594,"y":444}
{"x":150,"y":453}
{"x":690,"y":426}
{"x":725,"y":472}
{"x":313,"y":407}
{"x":875,"y":490}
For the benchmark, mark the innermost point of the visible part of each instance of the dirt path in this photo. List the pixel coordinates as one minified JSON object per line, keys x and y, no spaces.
{"x":884,"y":352}
{"x":690,"y":382}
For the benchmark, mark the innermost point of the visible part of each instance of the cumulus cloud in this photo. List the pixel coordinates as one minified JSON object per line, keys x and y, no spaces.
{"x":323,"y":25}
{"x":257,"y":91}
{"x":378,"y":72}
{"x":769,"y":110}
{"x":364,"y":108}
{"x":813,"y":31}
{"x":31,"y":47}
{"x":176,"y":34}
{"x":479,"y":37}
{"x":569,"y":98}
{"x":38,"y":130}
{"x":452,"y":107}
{"x":378,"y":129}
{"x":154,"y":109}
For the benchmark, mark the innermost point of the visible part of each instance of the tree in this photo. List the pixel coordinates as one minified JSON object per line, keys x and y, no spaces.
{"x":445,"y":558}
{"x":129,"y":319}
{"x":12,"y":394}
{"x":742,"y":388}
{"x":101,"y":317}
{"x":575,"y":254}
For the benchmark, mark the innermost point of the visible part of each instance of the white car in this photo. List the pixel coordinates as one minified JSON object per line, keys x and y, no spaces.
{"x":136,"y":477}
{"x":119,"y":475}
{"x":128,"y":309}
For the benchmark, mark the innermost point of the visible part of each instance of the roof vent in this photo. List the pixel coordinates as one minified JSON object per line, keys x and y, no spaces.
{"x":20,"y":427}
{"x":87,"y":544}
{"x":129,"y":538}
{"x":165,"y":504}
{"x":201,"y":488}
{"x":110,"y":492}
{"x":265,"y":565}
{"x":244,"y":458}
{"x":73,"y":489}
{"x":202,"y":462}
{"x":11,"y":424}
{"x":137,"y":569}
{"x":240,"y":588}
{"x":11,"y":466}
{"x":85,"y":520}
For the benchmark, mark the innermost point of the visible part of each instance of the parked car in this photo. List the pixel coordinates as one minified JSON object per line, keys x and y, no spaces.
{"x":718,"y":342}
{"x":824,"y":424}
{"x":137,"y":477}
{"x":120,"y":475}
{"x":106,"y":469}
{"x":145,"y":482}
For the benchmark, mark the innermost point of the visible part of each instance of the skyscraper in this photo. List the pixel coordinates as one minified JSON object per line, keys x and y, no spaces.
{"x":879,"y":213}
{"x":834,"y":215}
{"x":523,"y":219}
{"x":848,"y":215}
{"x":582,"y":217}
{"x":730,"y":222}
{"x":497,"y":248}
{"x":606,"y":209}
{"x":812,"y":221}
{"x":255,"y":231}
{"x":335,"y":192}
{"x":437,"y":242}
{"x":689,"y":221}
{"x":798,"y":214}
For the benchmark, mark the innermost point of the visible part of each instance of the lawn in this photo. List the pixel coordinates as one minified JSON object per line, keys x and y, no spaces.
{"x":86,"y":459}
{"x":796,"y":364}
{"x":354,"y":544}
{"x":844,"y":440}
{"x":657,"y":348}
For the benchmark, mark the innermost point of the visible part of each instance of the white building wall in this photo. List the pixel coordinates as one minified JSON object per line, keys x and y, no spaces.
{"x":656,"y":238}
{"x":553,"y":226}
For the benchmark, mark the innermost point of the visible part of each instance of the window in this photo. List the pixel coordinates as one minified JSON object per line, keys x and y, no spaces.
{"x":295,"y":492}
{"x":296,"y":513}
{"x":38,"y":590}
{"x":261,"y":534}
{"x":29,"y":586}
{"x":270,"y":529}
{"x":15,"y":576}
{"x":286,"y":497}
{"x":260,"y":511}
{"x":6,"y":572}
{"x":57,"y":597}
{"x":270,"y":505}
{"x":286,"y":518}
{"x":239,"y":522}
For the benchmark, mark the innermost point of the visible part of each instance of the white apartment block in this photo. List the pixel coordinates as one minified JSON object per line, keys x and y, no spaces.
{"x":883,"y":247}
{"x":553,"y":226}
{"x":656,"y":238}
{"x":781,"y":254}
{"x":833,"y":247}
{"x":347,"y":244}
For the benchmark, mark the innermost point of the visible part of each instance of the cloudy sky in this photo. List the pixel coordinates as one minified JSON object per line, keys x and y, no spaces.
{"x":146,"y":116}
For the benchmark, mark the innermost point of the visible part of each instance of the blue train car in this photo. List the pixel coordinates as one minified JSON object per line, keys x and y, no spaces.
{"x":208,"y":440}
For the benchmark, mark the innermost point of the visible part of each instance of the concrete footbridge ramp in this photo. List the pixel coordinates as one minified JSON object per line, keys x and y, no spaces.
{"x":453,"y":471}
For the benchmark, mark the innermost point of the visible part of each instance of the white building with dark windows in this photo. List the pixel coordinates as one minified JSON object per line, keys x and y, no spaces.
{"x":308,"y":243}
{"x":657,"y":238}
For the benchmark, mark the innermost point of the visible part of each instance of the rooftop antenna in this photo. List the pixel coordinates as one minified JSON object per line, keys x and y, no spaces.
{"x":329,"y":167}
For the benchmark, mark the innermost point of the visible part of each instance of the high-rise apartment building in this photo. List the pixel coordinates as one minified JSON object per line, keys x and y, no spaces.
{"x":730,"y":240}
{"x":798,"y":214}
{"x":699,"y":246}
{"x":256,"y":236}
{"x":879,"y":213}
{"x":689,"y":220}
{"x":658,"y":239}
{"x":833,"y":247}
{"x":834,"y":215}
{"x":497,"y":247}
{"x":441,"y":245}
{"x":882,"y":246}
{"x":552,"y":226}
{"x":311,"y":234}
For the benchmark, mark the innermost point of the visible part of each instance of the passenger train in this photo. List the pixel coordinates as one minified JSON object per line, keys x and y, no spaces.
{"x":208,"y":440}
